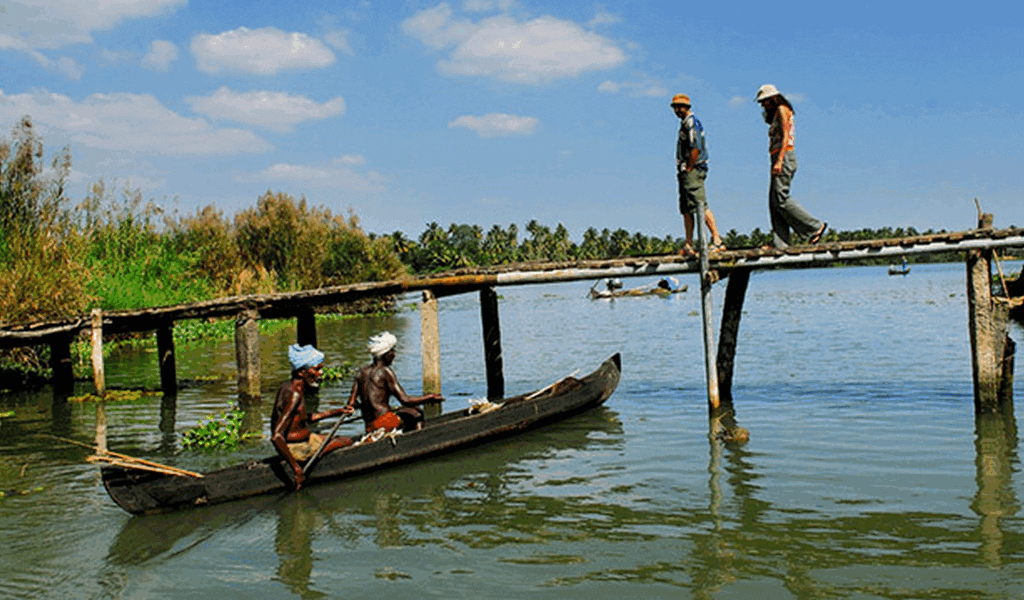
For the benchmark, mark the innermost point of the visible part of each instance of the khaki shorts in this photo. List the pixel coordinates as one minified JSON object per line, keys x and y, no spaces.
{"x":691,"y":190}
{"x":305,"y":450}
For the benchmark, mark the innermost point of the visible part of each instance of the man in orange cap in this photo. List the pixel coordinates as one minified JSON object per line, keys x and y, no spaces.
{"x":691,"y":171}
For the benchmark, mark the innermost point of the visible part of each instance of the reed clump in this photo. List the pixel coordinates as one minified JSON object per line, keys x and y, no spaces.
{"x":116,"y":250}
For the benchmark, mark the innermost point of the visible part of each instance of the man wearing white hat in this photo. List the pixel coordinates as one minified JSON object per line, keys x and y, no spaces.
{"x":785,"y":212}
{"x":376,"y":383}
{"x":289,"y":422}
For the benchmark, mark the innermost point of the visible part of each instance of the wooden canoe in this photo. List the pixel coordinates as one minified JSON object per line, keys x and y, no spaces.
{"x":146,"y":492}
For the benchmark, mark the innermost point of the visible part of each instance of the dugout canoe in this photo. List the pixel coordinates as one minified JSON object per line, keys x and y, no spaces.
{"x":146,"y":492}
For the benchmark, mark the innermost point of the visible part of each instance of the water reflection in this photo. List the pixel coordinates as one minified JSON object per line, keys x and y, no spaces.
{"x":996,"y":447}
{"x":468,"y":486}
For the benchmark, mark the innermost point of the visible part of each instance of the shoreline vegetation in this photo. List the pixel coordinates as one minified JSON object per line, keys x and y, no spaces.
{"x":114,"y":250}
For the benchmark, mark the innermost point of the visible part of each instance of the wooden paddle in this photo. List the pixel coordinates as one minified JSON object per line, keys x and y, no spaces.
{"x":319,"y":451}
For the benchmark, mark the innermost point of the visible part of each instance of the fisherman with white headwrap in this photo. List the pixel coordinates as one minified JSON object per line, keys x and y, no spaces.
{"x":289,"y":421}
{"x":381,"y":343}
{"x":376,"y":383}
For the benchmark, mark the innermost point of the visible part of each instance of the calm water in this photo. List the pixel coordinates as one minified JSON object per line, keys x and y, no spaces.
{"x":866,"y":476}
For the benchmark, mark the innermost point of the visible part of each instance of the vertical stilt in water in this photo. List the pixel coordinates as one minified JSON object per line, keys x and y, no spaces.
{"x":306,"y":327}
{"x":247,"y":355}
{"x":732,"y":310}
{"x":492,"y":344}
{"x":165,"y":356}
{"x":430,"y":351}
{"x":710,"y":368}
{"x":99,"y":381}
{"x":60,"y":365}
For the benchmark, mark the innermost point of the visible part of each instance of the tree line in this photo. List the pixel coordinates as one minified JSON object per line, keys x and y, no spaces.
{"x":463,"y":245}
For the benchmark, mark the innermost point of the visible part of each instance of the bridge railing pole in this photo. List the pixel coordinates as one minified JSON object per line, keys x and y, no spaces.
{"x":710,"y":367}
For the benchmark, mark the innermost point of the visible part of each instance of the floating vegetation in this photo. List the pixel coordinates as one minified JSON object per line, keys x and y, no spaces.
{"x":6,"y":493}
{"x":340,"y":373}
{"x":223,"y":435}
{"x":118,"y":396}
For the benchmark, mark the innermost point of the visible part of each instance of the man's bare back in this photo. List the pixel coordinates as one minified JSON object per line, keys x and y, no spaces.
{"x":375,"y":384}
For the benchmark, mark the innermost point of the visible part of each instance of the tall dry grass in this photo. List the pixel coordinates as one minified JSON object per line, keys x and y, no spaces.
{"x":41,"y":252}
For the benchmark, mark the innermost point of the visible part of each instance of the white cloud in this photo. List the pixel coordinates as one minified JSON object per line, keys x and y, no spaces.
{"x":603,"y":18}
{"x":535,"y":51}
{"x":338,"y":174}
{"x":127,"y":123}
{"x":487,"y":5}
{"x":643,"y":87}
{"x":64,"y":65}
{"x":68,"y":67}
{"x":266,"y":51}
{"x":497,"y":124}
{"x":51,"y":24}
{"x":740,"y":100}
{"x":274,"y":110}
{"x":161,"y":54}
{"x":339,"y":40}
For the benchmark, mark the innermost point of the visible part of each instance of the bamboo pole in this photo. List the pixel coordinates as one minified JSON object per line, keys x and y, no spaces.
{"x":135,"y":462}
{"x":710,"y":366}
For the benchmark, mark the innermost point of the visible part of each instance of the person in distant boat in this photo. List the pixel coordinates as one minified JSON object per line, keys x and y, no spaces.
{"x":376,"y":383}
{"x":691,"y":171}
{"x":785,"y":212}
{"x":289,"y":421}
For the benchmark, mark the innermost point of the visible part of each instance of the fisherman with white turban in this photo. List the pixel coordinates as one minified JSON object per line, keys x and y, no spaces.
{"x":289,"y":421}
{"x":376,"y":383}
{"x":381,"y":343}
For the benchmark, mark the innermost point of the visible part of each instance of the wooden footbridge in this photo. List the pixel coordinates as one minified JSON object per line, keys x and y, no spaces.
{"x":992,"y":350}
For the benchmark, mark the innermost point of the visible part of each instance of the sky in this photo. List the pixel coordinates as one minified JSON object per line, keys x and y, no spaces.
{"x":501,"y":111}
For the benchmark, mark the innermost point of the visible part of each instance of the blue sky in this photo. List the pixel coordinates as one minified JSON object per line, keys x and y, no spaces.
{"x":500,"y":111}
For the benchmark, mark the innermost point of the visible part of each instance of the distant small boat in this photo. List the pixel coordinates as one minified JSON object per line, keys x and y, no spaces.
{"x":664,"y":288}
{"x":901,"y":269}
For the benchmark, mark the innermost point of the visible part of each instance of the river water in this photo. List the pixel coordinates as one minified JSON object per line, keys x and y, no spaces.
{"x":866,"y":475}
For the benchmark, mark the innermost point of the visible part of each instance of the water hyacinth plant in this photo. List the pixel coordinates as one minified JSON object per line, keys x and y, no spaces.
{"x":223,"y":435}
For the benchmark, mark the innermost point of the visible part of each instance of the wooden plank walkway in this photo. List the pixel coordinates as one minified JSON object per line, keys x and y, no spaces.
{"x":294,"y":304}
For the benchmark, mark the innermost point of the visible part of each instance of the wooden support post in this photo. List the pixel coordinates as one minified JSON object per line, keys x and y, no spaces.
{"x":492,"y":344}
{"x":430,"y":351}
{"x":732,"y":310}
{"x":63,"y":374}
{"x":306,"y":327}
{"x":991,"y":348}
{"x":101,"y":426}
{"x":97,"y":352}
{"x":165,"y":357}
{"x":710,"y":367}
{"x":247,"y":355}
